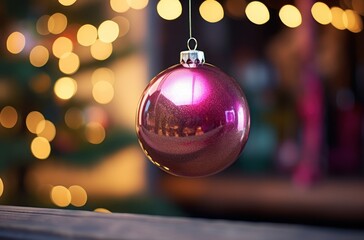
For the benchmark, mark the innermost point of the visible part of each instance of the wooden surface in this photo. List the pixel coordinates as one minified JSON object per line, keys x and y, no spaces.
{"x":37,"y":223}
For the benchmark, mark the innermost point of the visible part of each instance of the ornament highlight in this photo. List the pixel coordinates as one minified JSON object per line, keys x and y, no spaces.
{"x":192,"y":120}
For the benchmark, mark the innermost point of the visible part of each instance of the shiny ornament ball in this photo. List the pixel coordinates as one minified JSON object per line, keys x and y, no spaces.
{"x":192,"y":121}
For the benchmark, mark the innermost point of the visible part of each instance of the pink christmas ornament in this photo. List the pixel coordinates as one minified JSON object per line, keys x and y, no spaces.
{"x":192,"y":120}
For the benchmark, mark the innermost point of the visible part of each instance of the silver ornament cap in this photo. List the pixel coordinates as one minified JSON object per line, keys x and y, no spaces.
{"x":192,"y":58}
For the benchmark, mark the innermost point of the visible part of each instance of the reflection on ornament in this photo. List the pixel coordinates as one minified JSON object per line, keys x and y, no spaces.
{"x":192,"y":120}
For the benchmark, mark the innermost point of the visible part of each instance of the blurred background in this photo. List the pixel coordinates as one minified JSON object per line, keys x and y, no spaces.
{"x":72,"y":72}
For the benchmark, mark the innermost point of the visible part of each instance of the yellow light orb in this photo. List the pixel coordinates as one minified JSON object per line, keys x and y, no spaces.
{"x":65,"y":88}
{"x":103,"y":74}
{"x":337,"y":18}
{"x":69,"y":63}
{"x":169,"y":9}
{"x":66,"y":2}
{"x":39,"y":56}
{"x":257,"y":13}
{"x":87,"y":35}
{"x":108,"y":31}
{"x":101,"y":50}
{"x":102,"y":210}
{"x":57,"y":23}
{"x":42,"y":25}
{"x":352,"y":21}
{"x":61,"y":46}
{"x":8,"y":117}
{"x":15,"y":42}
{"x":74,"y":118}
{"x":95,"y":133}
{"x":290,"y":16}
{"x":119,"y":6}
{"x":40,"y":148}
{"x":40,"y":83}
{"x":321,"y":13}
{"x":137,"y":4}
{"x":124,"y":25}
{"x":103,"y":92}
{"x":46,"y":129}
{"x":211,"y":11}
{"x":1,"y":187}
{"x":32,"y":120}
{"x":60,"y":196}
{"x":78,"y":195}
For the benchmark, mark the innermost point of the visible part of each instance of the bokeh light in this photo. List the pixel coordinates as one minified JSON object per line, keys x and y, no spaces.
{"x":87,"y":35}
{"x":60,"y":196}
{"x":124,"y":25}
{"x":69,"y":63}
{"x":352,"y":21}
{"x":119,"y":6}
{"x":358,"y":6}
{"x":257,"y":13}
{"x":290,"y":16}
{"x":137,"y":4}
{"x":74,"y":118}
{"x":39,"y":56}
{"x":102,"y":210}
{"x":46,"y":129}
{"x":57,"y":23}
{"x":337,"y":18}
{"x":42,"y":25}
{"x":40,"y":83}
{"x":103,"y":74}
{"x":67,"y":2}
{"x":65,"y":88}
{"x":61,"y":46}
{"x":95,"y":133}
{"x":108,"y":31}
{"x":321,"y":13}
{"x":211,"y":11}
{"x":101,"y":50}
{"x":8,"y":117}
{"x":235,"y":8}
{"x":1,"y":187}
{"x":40,"y":148}
{"x":103,"y":92}
{"x":169,"y":9}
{"x":78,"y":195}
{"x":15,"y":42}
{"x":32,"y":120}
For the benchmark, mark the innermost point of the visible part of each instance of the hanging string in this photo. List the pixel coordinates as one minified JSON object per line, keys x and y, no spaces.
{"x":190,"y":28}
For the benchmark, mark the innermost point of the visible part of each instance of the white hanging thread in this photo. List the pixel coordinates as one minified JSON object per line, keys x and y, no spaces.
{"x":190,"y":28}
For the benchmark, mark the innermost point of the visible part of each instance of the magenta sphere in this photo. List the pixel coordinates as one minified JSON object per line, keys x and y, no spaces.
{"x":192,"y":122}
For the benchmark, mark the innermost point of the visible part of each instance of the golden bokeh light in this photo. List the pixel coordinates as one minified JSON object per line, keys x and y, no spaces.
{"x":101,"y":50}
{"x":290,"y":16}
{"x":358,"y":6}
{"x":42,"y":25}
{"x":119,"y":6}
{"x":95,"y":133}
{"x":87,"y":35}
{"x":57,"y":23}
{"x":46,"y":129}
{"x":337,"y":18}
{"x":211,"y":11}
{"x":40,"y":148}
{"x":60,"y":196}
{"x":321,"y":13}
{"x":39,"y":56}
{"x":108,"y":31}
{"x":32,"y":120}
{"x":67,"y":2}
{"x":124,"y":25}
{"x":257,"y":12}
{"x":78,"y":195}
{"x":8,"y":117}
{"x":15,"y":42}
{"x":169,"y":9}
{"x":103,"y":74}
{"x":65,"y":88}
{"x":352,"y":21}
{"x":103,"y":92}
{"x":1,"y":187}
{"x":74,"y":118}
{"x":137,"y":4}
{"x":61,"y":46}
{"x":40,"y":83}
{"x":235,"y":8}
{"x":69,"y":63}
{"x":102,"y":210}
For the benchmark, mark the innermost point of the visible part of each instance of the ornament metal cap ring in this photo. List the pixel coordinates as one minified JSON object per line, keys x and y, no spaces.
{"x":192,"y":58}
